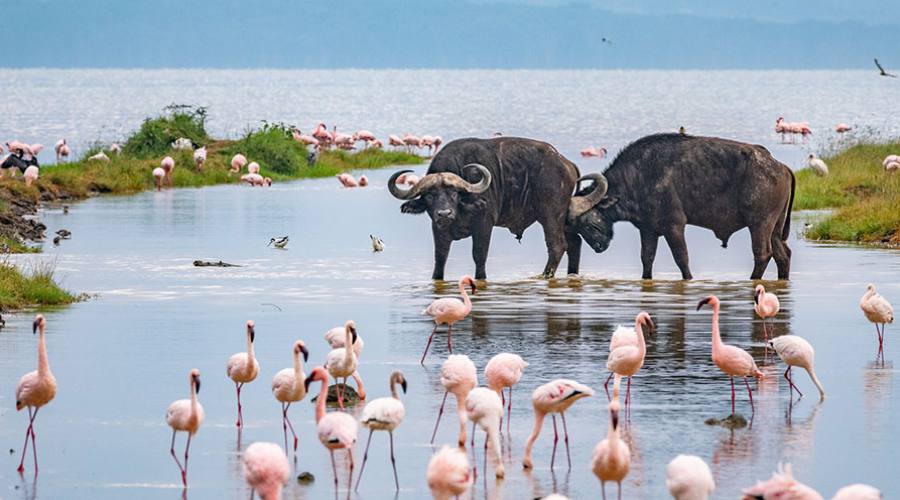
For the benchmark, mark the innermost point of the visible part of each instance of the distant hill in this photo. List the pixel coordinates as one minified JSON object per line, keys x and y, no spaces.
{"x":410,"y":34}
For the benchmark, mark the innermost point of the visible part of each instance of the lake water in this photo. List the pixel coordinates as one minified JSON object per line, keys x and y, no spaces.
{"x":123,"y":356}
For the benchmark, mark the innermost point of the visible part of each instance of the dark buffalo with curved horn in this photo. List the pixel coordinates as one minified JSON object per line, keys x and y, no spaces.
{"x":662,"y":182}
{"x":474,"y":185}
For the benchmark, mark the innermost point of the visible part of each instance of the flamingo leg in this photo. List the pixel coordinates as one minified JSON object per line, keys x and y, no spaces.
{"x":450,"y":337}
{"x":473,"y":436}
{"x":603,"y":489}
{"x":172,"y":451}
{"x":509,"y":410}
{"x":732,"y":395}
{"x":440,"y":412}
{"x":787,"y":375}
{"x":28,"y":433}
{"x":619,"y":484}
{"x":750,"y":393}
{"x":766,"y":338}
{"x":555,"y":439}
{"x":628,"y":397}
{"x":187,"y":448}
{"x":291,"y":427}
{"x":502,"y":404}
{"x":240,"y":420}
{"x":393,"y":462}
{"x":430,"y":338}
{"x":566,"y":439}
{"x":606,"y":386}
{"x":334,"y":469}
{"x":485,"y":453}
{"x":350,"y":479}
{"x":365,"y":457}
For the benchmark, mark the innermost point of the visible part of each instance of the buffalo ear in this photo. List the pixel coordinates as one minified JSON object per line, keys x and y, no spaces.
{"x":415,"y":206}
{"x":607,"y":201}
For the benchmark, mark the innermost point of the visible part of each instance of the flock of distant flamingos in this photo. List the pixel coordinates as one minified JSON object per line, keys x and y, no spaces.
{"x":449,"y":472}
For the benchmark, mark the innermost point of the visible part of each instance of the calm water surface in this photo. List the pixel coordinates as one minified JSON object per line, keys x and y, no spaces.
{"x":122,"y":357}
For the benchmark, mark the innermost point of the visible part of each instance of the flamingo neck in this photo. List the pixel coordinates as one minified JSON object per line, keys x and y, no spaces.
{"x":249,"y":349}
{"x":43,"y":362}
{"x":642,"y":345}
{"x":535,"y":432}
{"x":394,"y":389}
{"x":463,"y":416}
{"x":193,"y":398}
{"x":465,"y":296}
{"x":815,"y":379}
{"x":349,"y":353}
{"x":716,"y":339}
{"x":320,"y":401}
{"x":299,"y":378}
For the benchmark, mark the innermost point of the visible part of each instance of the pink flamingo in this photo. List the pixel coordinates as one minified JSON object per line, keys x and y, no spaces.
{"x":796,"y":351}
{"x":185,"y":415}
{"x":200,"y":157}
{"x":891,"y":163}
{"x":449,"y":310}
{"x":782,"y":485}
{"x":266,"y":469}
{"x":448,"y":473}
{"x":626,"y":354}
{"x":858,"y":492}
{"x":168,"y":165}
{"x":384,"y":414}
{"x":412,"y":141}
{"x":553,"y":397}
{"x":395,"y":140}
{"x":322,"y":134}
{"x":31,"y":174}
{"x":347,"y":180}
{"x":365,"y":136}
{"x":593,"y":152}
{"x":36,"y":149}
{"x":689,"y":478}
{"x":376,"y":144}
{"x":766,"y":306}
{"x":408,"y":179}
{"x":256,"y":180}
{"x":502,"y":371}
{"x":35,"y":389}
{"x":335,"y":338}
{"x":243,"y":368}
{"x":612,"y":458}
{"x":342,"y":362}
{"x":363,"y":181}
{"x":459,"y":377}
{"x":432,"y":143}
{"x":733,"y":361}
{"x":336,"y":431}
{"x":237,"y":163}
{"x":842,"y":128}
{"x":253,"y":167}
{"x":288,"y":387}
{"x":62,"y":150}
{"x":484,"y":408}
{"x":307,"y":140}
{"x":877,"y":310}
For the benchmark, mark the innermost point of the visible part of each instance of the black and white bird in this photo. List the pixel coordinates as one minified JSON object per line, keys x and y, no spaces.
{"x":816,"y":165}
{"x":377,"y":244}
{"x":883,"y":72}
{"x":64,"y":234}
{"x":279,"y":242}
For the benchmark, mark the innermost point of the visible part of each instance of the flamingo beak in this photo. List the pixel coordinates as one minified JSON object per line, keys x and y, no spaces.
{"x":756,"y":297}
{"x":353,"y":332}
{"x":270,"y":242}
{"x":702,"y":303}
{"x":403,"y":385}
{"x":252,"y":333}
{"x":34,"y":326}
{"x":306,"y":384}
{"x":305,"y":352}
{"x":651,"y":325}
{"x":197,"y":383}
{"x":614,"y":415}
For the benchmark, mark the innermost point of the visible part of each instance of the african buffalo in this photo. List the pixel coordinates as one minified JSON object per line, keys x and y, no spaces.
{"x":473,"y":185}
{"x":14,"y":160}
{"x":662,"y":182}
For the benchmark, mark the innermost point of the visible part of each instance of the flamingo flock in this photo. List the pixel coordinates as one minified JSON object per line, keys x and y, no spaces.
{"x":792,"y":129}
{"x":323,"y":138}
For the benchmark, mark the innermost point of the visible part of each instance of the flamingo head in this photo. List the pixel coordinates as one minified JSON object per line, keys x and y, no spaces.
{"x":251,"y":331}
{"x":398,"y":378}
{"x":467,"y":280}
{"x":712,"y":300}
{"x":614,"y":413}
{"x":300,"y":347}
{"x":318,"y":374}
{"x":351,"y":327}
{"x":759,"y":291}
{"x":38,"y":322}
{"x":195,"y":379}
{"x":645,"y":319}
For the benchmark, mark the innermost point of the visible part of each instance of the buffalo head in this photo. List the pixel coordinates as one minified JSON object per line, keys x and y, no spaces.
{"x":588,"y":212}
{"x":443,"y":194}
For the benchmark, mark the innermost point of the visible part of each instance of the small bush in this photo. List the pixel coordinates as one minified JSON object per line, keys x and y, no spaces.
{"x":273,"y":147}
{"x":156,"y":135}
{"x":37,"y":287}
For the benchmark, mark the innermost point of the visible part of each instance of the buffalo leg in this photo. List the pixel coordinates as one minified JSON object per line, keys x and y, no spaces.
{"x":481,"y":243}
{"x":441,"y":252}
{"x":675,"y":239}
{"x":782,"y":256}
{"x":649,"y":242}
{"x":556,"y":245}
{"x":761,"y":242}
{"x":573,"y":251}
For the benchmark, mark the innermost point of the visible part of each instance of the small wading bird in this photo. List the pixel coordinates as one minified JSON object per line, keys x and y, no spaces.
{"x":384,"y":414}
{"x":237,"y":163}
{"x":279,"y":242}
{"x":64,"y":233}
{"x":781,"y":485}
{"x":200,"y":157}
{"x":842,"y":128}
{"x":168,"y":165}
{"x":266,"y":469}
{"x":335,"y":338}
{"x":100,"y":156}
{"x":766,"y":306}
{"x":185,"y":415}
{"x":449,"y":310}
{"x":377,"y":244}
{"x":458,"y":376}
{"x":35,"y":389}
{"x":796,"y":351}
{"x":158,"y":175}
{"x":689,"y":478}
{"x":502,"y":371}
{"x":31,"y":174}
{"x":817,"y":165}
{"x":243,"y":368}
{"x":626,"y":360}
{"x":553,"y":397}
{"x":612,"y":458}
{"x":891,"y":163}
{"x":288,"y":387}
{"x":733,"y":361}
{"x":881,"y":70}
{"x":342,"y":362}
{"x":337,"y":430}
{"x":484,"y":408}
{"x":877,"y":310}
{"x":448,"y":473}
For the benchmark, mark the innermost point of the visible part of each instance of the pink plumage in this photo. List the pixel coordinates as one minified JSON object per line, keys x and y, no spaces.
{"x":766,"y":306}
{"x":448,"y":473}
{"x":553,"y":397}
{"x":237,"y":162}
{"x":627,"y":359}
{"x":395,"y":140}
{"x":347,"y":180}
{"x":782,"y":486}
{"x":877,"y":310}
{"x":185,"y":415}
{"x":484,"y":408}
{"x":35,"y":389}
{"x":31,"y":174}
{"x":385,"y":414}
{"x":611,"y":460}
{"x":337,"y":430}
{"x":449,"y":310}
{"x":458,"y":377}
{"x":266,"y":469}
{"x":502,"y":371}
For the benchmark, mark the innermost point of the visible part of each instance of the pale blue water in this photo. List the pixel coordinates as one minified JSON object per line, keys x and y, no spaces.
{"x":123,"y":356}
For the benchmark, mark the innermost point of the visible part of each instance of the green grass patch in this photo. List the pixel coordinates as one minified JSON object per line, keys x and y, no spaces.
{"x":12,"y":245}
{"x":37,"y":286}
{"x":156,"y":135}
{"x":864,"y":197}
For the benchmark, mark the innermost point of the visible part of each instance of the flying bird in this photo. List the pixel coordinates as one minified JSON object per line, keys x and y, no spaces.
{"x":883,"y":72}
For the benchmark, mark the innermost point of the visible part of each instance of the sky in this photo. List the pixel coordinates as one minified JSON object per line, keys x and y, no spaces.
{"x":604,"y":34}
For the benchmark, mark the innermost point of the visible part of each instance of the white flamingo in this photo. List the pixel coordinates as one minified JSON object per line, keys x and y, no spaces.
{"x":384,"y":414}
{"x":288,"y":387}
{"x":342,"y":362}
{"x":185,"y":415}
{"x":243,"y":368}
{"x":484,"y":408}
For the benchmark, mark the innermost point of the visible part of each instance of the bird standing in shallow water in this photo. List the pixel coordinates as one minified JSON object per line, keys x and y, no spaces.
{"x":342,"y":362}
{"x":337,"y":430}
{"x":335,"y":338}
{"x":484,"y":408}
{"x":185,"y":415}
{"x":35,"y":389}
{"x":448,"y":473}
{"x":781,"y":485}
{"x":449,"y":310}
{"x":877,"y":310}
{"x":733,"y":361}
{"x":384,"y":414}
{"x":377,"y":244}
{"x":553,"y":397}
{"x":504,"y":370}
{"x":458,"y":376}
{"x":766,"y":306}
{"x":279,"y":242}
{"x":612,"y":458}
{"x":243,"y":368}
{"x":689,"y":478}
{"x":266,"y":469}
{"x":626,"y":360}
{"x":288,"y":387}
{"x":796,"y":351}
